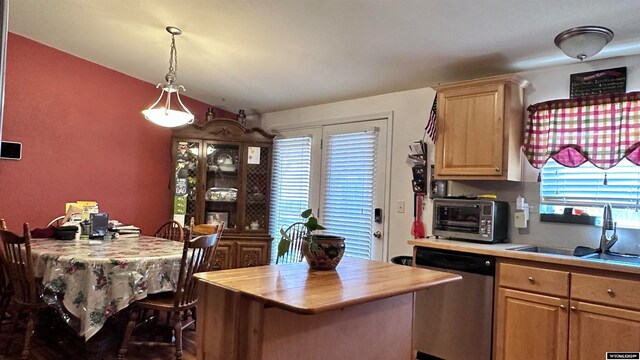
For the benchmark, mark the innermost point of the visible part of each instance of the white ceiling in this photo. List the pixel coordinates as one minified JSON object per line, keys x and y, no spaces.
{"x":268,"y":55}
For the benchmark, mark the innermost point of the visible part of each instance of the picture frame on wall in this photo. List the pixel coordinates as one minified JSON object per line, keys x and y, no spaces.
{"x":215,"y":217}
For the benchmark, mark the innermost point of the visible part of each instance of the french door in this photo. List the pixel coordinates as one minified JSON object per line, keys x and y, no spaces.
{"x":346,"y":175}
{"x":353,"y":183}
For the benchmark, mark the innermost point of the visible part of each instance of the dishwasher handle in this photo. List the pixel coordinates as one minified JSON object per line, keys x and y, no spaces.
{"x":455,"y":260}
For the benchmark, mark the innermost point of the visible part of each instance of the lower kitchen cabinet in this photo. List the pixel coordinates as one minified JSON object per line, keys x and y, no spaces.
{"x":597,"y":312}
{"x":596,"y":329}
{"x":531,"y":326}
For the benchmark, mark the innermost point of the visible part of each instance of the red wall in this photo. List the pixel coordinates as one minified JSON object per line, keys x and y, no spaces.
{"x":83,"y":138}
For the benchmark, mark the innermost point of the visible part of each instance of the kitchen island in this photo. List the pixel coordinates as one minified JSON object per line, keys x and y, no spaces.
{"x":362,"y":310}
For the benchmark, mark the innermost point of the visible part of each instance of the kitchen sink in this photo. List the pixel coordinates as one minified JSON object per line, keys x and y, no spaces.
{"x":545,"y":250}
{"x":630,"y":259}
{"x":621,"y":258}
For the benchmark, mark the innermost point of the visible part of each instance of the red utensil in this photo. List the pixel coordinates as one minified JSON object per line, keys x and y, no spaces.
{"x":419,"y":233}
{"x":414,"y":225}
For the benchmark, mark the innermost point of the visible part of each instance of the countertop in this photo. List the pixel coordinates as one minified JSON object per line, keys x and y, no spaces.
{"x":504,"y":250}
{"x":296,"y":288}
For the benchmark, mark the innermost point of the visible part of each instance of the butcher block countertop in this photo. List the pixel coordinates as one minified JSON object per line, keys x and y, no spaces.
{"x":505,"y":251}
{"x":294,"y":287}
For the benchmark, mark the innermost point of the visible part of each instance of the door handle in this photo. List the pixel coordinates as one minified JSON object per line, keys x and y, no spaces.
{"x":377,"y":234}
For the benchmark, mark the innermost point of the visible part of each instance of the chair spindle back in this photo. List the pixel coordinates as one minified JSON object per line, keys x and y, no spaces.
{"x":5,"y":286}
{"x":197,"y":256}
{"x":171,"y":230}
{"x":17,"y":260}
{"x":296,"y":232}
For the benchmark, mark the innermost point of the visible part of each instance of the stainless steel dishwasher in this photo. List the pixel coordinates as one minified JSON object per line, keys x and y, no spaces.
{"x":454,"y":322}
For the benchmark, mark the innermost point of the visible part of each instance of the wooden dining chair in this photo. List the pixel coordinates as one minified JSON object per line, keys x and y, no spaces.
{"x":296,"y":233}
{"x":5,"y":287}
{"x":171,"y":230}
{"x":17,"y":261}
{"x":197,"y":256}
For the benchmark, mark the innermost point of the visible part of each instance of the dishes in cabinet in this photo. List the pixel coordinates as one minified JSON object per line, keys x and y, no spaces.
{"x":222,"y":194}
{"x":224,"y":160}
{"x":229,"y":168}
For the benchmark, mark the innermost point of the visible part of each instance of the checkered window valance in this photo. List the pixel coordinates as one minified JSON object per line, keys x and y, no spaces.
{"x":600,"y":129}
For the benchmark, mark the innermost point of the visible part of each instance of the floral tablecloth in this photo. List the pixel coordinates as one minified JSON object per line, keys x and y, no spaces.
{"x":90,"y":280}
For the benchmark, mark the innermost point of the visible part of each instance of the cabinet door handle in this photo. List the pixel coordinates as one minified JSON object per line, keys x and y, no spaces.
{"x":573,"y":308}
{"x":497,"y":169}
{"x":562,"y":307}
{"x":609,"y":291}
{"x":531,"y":280}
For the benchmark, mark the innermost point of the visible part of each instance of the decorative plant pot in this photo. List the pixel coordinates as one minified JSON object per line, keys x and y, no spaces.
{"x":327,"y":255}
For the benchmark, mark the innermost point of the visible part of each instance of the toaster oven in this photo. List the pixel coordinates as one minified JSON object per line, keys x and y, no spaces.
{"x":471,"y":219}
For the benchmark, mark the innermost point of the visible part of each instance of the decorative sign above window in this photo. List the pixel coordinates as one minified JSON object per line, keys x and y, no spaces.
{"x":598,"y":82}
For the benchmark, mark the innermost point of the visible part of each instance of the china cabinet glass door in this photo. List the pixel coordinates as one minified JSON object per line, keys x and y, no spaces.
{"x":256,"y":211}
{"x":186,"y":180}
{"x":222,"y":182}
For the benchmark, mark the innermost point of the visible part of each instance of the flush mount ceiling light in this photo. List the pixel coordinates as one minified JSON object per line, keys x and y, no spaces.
{"x":583,"y":41}
{"x":160,"y":112}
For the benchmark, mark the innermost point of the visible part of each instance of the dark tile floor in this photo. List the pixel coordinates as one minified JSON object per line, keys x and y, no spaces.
{"x":55,"y":342}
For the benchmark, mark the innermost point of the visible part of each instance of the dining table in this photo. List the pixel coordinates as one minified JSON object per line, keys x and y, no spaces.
{"x":88,"y":281}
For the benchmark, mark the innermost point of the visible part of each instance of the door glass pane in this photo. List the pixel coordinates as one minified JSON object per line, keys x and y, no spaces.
{"x":222,"y":183}
{"x":290,"y":184}
{"x":257,"y":159}
{"x":349,"y":189}
{"x":186,"y":175}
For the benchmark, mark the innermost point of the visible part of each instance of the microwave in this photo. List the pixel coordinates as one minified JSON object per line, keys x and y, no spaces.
{"x":471,"y":219}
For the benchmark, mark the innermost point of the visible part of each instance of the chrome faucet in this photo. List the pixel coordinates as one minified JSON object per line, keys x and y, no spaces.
{"x":607,"y":224}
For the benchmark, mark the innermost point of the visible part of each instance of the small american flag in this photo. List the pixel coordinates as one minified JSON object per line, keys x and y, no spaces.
{"x":430,"y":129}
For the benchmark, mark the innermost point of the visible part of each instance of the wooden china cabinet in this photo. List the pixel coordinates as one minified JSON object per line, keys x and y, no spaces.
{"x":222,"y":171}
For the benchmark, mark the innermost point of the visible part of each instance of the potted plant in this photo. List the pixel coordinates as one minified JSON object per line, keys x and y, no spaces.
{"x":322,"y":252}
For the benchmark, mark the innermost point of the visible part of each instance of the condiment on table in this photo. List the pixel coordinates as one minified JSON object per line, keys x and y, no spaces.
{"x":362,"y":310}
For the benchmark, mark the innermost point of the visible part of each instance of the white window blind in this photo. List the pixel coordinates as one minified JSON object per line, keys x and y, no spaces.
{"x":349,"y":170}
{"x":584,"y":185}
{"x":583,"y":188}
{"x":289,"y":184}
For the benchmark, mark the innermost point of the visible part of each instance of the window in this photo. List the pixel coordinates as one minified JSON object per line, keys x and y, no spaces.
{"x":584,"y":189}
{"x":289,"y":184}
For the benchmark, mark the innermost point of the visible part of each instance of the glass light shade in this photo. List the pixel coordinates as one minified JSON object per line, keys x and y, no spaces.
{"x":160,"y":112}
{"x":584,"y":41}
{"x":168,"y":118}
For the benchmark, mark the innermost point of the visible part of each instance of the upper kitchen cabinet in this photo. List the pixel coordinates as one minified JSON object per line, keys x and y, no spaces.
{"x":222,"y":172}
{"x":479,"y":129}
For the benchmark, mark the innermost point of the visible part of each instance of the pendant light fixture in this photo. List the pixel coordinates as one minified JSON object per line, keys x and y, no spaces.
{"x":583,"y":41}
{"x":161,"y":112}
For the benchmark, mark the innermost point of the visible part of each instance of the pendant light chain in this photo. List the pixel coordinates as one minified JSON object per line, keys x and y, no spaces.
{"x":173,"y":62}
{"x":173,"y":57}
